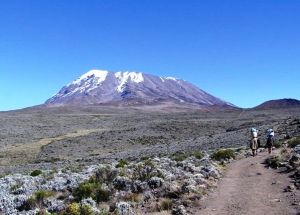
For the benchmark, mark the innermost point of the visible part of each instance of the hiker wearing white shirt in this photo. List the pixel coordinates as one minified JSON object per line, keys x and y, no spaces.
{"x":254,"y":141}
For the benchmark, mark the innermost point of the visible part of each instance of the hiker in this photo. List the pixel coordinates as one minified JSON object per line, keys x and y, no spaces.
{"x":270,"y":140}
{"x":254,"y":142}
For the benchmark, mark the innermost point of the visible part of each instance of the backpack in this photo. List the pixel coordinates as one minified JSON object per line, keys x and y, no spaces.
{"x":270,"y":132}
{"x":254,"y":134}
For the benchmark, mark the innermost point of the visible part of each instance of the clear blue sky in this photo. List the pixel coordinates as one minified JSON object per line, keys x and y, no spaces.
{"x":244,"y":52}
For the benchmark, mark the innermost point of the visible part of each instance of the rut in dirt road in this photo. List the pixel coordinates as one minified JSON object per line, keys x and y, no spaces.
{"x":248,"y":187}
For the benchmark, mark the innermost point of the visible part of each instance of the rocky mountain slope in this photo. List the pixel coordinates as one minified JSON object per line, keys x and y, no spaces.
{"x":131,"y":88}
{"x":279,"y":103}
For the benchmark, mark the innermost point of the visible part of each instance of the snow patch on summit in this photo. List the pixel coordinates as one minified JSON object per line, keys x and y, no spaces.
{"x":171,"y":78}
{"x":99,"y":74}
{"x":123,"y":78}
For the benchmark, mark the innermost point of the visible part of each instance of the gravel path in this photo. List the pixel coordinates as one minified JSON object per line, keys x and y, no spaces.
{"x":249,"y":188}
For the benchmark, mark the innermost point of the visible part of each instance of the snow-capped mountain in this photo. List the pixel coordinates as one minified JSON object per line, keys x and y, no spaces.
{"x":104,"y":87}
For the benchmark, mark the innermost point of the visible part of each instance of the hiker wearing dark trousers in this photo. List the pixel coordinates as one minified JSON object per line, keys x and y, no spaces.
{"x":270,"y":140}
{"x":254,"y":141}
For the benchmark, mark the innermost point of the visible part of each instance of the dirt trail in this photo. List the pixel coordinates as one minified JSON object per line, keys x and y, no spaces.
{"x":249,"y":188}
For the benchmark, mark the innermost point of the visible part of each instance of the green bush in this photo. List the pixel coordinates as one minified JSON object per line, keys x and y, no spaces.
{"x":223,"y":154}
{"x":199,"y":155}
{"x":294,"y":142}
{"x":72,"y":209}
{"x":29,"y":204}
{"x":144,"y":158}
{"x":121,"y":164}
{"x":179,"y":156}
{"x":86,"y":210}
{"x":78,"y":209}
{"x":85,"y":190}
{"x":102,"y":195}
{"x":274,"y":161}
{"x":41,"y":195}
{"x":36,"y":173}
{"x":93,"y":190}
{"x":36,"y":200}
{"x":277,"y":144}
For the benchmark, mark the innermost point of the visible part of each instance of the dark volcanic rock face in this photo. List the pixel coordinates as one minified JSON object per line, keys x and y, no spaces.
{"x":280,"y":103}
{"x":103,"y":87}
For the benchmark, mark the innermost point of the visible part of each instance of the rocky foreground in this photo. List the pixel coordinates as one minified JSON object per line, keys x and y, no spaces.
{"x":288,"y":161}
{"x":150,"y":185}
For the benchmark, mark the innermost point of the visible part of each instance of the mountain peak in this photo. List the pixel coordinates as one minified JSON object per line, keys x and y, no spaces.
{"x":104,"y":87}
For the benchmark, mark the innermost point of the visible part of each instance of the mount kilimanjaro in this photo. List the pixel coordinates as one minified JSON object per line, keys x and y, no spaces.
{"x":98,"y":87}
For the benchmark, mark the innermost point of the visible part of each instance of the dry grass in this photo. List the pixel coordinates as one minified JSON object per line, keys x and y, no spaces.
{"x":26,"y":153}
{"x":165,"y":204}
{"x":133,"y":197}
{"x":159,"y":213}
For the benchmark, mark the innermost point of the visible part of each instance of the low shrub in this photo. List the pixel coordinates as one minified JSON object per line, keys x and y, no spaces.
{"x":179,"y":156}
{"x":72,"y":209}
{"x":86,"y":210}
{"x":36,"y":200}
{"x":102,"y":195}
{"x":223,"y":154}
{"x":199,"y":155}
{"x":74,"y":168}
{"x":294,"y":142}
{"x":91,"y":190}
{"x":41,"y":195}
{"x":274,"y":161}
{"x":277,"y":144}
{"x":78,"y":209}
{"x":105,"y":175}
{"x":149,"y":163}
{"x":144,"y":158}
{"x":121,"y":164}
{"x":27,"y":205}
{"x":84,"y":190}
{"x":144,"y":171}
{"x":36,"y":173}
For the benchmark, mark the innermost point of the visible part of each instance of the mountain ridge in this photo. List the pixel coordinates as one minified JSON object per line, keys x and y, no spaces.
{"x":279,"y":103}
